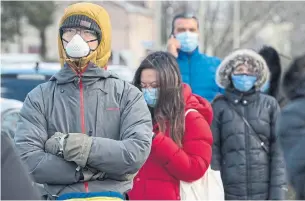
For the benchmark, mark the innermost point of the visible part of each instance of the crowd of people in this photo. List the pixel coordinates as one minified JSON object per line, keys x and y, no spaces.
{"x":87,"y":134}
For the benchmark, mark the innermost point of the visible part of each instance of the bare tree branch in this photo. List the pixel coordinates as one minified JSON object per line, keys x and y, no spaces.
{"x":261,"y":17}
{"x":226,"y":31}
{"x":253,"y":32}
{"x":254,"y":16}
{"x":223,"y":38}
{"x":206,"y":33}
{"x":214,"y":21}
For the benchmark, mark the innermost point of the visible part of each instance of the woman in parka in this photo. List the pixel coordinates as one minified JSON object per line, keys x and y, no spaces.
{"x":291,"y":126}
{"x":245,"y":148}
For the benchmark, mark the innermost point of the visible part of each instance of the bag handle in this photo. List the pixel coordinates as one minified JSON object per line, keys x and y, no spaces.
{"x":189,"y":110}
{"x":265,"y":148}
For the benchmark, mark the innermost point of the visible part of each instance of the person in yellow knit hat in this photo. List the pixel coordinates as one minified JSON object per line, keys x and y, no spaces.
{"x":84,"y":132}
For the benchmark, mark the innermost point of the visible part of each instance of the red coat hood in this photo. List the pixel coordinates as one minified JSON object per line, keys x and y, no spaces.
{"x":193,"y":101}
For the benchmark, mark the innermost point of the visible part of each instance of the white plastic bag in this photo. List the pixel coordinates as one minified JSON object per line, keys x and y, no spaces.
{"x":209,"y":187}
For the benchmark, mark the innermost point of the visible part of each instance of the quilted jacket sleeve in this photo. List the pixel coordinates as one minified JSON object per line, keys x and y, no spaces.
{"x":290,"y":129}
{"x":278,"y":188}
{"x":30,"y":139}
{"x":190,"y":162}
{"x":216,"y":130}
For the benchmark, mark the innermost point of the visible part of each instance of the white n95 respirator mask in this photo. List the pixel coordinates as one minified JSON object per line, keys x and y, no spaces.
{"x":77,"y":47}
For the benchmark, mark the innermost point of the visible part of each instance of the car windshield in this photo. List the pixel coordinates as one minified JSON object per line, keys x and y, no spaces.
{"x":18,"y":86}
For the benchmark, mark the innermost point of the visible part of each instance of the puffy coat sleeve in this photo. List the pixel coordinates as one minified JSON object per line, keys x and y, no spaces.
{"x":190,"y":162}
{"x":217,"y":62}
{"x":30,"y":139}
{"x":216,"y":130}
{"x":278,"y":188}
{"x":291,"y":133}
{"x":127,"y":155}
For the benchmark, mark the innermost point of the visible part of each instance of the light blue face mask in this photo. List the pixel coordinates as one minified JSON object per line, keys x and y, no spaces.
{"x":188,"y":41}
{"x":243,"y":82}
{"x":265,"y":87}
{"x":151,"y":96}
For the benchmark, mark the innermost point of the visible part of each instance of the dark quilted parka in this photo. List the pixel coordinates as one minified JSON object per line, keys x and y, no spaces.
{"x":291,"y":125}
{"x":249,"y":158}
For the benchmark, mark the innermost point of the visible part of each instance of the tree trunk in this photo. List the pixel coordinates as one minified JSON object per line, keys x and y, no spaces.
{"x":19,"y":34}
{"x":43,"y":48}
{"x":164,"y":23}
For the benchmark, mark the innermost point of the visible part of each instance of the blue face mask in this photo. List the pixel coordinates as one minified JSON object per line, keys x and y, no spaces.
{"x":188,"y":41}
{"x":151,"y":96}
{"x":243,"y":83}
{"x":265,"y":87}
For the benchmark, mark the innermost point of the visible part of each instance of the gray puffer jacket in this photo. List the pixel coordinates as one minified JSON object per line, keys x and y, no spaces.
{"x":111,"y":111}
{"x":247,"y":152}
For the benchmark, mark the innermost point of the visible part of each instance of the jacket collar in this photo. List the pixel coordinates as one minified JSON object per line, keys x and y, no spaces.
{"x":91,"y":74}
{"x":237,"y":97}
{"x":193,"y":101}
{"x":186,"y":55}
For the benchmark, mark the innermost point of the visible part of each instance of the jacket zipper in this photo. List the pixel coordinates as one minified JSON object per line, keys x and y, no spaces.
{"x":82,"y":115}
{"x":190,"y":73}
{"x":247,"y":156}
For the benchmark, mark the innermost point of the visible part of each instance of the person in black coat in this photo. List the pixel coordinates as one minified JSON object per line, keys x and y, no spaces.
{"x":291,"y":126}
{"x":15,"y":181}
{"x":272,"y":86}
{"x":245,"y":148}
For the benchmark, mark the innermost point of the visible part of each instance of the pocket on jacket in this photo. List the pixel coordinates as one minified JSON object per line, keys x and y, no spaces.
{"x":160,"y":190}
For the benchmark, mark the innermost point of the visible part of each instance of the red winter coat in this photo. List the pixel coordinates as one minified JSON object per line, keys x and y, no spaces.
{"x":167,"y":165}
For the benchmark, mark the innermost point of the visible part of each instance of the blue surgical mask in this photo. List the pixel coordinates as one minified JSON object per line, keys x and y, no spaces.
{"x":151,"y":96}
{"x":265,"y":87}
{"x":188,"y":41}
{"x":243,"y":83}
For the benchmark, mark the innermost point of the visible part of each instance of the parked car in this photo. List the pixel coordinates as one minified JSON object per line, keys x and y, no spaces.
{"x":23,"y":59}
{"x":123,"y":72}
{"x":9,"y":116}
{"x":17,"y":82}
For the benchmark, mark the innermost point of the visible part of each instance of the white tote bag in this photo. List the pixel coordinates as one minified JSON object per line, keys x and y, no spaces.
{"x":209,"y":187}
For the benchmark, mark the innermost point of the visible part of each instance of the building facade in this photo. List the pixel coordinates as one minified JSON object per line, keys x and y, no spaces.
{"x":132,"y":32}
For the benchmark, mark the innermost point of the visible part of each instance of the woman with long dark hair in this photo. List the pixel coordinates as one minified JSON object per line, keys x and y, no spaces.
{"x":182,"y":144}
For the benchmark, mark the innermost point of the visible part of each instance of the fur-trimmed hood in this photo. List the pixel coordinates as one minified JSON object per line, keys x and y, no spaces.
{"x":238,"y":57}
{"x":294,"y":79}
